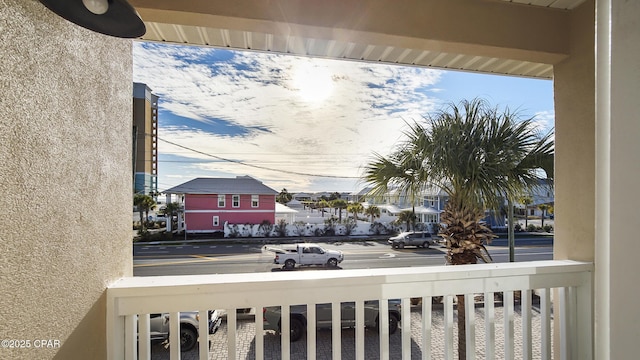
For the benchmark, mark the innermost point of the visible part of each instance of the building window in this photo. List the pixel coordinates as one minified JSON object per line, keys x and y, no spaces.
{"x":255,"y":201}
{"x":235,"y":201}
{"x":221,"y":201}
{"x":216,"y":221}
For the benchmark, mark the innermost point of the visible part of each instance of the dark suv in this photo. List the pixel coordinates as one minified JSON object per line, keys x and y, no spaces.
{"x":411,"y":238}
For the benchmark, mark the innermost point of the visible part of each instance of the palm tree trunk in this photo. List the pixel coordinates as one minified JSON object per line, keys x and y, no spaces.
{"x":462,"y":330}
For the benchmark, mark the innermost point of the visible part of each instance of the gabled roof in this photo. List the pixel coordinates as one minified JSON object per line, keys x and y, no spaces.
{"x":238,"y":185}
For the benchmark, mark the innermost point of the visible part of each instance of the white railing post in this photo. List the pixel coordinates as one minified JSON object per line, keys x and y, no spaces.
{"x":584,"y":319}
{"x":545,"y":323}
{"x":507,"y":307}
{"x":448,"y":327}
{"x":259,"y":337}
{"x":470,"y":326}
{"x":426,"y":327}
{"x":406,"y":328}
{"x":174,"y":335}
{"x":490,"y":325}
{"x":144,"y":342}
{"x":311,"y":331}
{"x":203,"y":332}
{"x":525,"y":311}
{"x":336,"y":331}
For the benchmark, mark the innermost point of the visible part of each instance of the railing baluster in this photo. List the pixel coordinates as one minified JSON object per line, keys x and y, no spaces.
{"x":130,"y":337}
{"x":203,"y":331}
{"x":584,"y":318}
{"x":470,"y":325}
{"x":490,"y":325}
{"x":572,"y":304}
{"x":564,"y":322}
{"x":285,"y":332}
{"x":360,"y":353}
{"x":525,"y":310}
{"x":448,"y":327}
{"x":144,"y":342}
{"x":174,"y":335}
{"x":426,"y":327}
{"x":336,"y":331}
{"x":383,"y":325}
{"x":507,"y":308}
{"x":311,"y":331}
{"x":545,"y":323}
{"x":232,"y":328}
{"x":259,"y":337}
{"x":406,"y":328}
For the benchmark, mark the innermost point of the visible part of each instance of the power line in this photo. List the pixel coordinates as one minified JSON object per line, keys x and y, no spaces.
{"x":258,"y":166}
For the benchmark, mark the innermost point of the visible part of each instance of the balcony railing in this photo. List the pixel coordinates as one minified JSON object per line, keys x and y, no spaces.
{"x":562,"y":317}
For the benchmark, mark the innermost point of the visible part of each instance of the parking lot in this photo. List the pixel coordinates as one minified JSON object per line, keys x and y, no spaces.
{"x":246,"y":334}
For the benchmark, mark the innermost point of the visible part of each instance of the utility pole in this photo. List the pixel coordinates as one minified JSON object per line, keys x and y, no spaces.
{"x":511,"y":235}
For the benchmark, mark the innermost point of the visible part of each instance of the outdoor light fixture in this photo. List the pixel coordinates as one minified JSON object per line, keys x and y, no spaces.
{"x":110,"y":17}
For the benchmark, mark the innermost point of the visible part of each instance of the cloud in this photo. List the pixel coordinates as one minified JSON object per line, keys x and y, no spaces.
{"x":258,"y":96}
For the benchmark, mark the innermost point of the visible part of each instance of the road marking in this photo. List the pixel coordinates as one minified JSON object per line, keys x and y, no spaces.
{"x":198,"y":258}
{"x":388,"y":255}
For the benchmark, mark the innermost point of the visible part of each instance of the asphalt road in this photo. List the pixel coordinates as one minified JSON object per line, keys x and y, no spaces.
{"x":206,"y":258}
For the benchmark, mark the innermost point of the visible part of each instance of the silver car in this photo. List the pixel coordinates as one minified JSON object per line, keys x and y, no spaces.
{"x":159,"y":327}
{"x":298,"y":317}
{"x":411,"y":238}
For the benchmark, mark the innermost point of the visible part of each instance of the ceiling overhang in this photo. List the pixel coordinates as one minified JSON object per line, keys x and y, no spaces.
{"x":490,"y":36}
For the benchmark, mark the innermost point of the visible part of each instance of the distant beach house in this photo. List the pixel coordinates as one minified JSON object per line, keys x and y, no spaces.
{"x":211,"y":202}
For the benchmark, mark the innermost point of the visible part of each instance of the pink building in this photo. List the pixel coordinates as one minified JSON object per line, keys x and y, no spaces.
{"x":210,"y":202}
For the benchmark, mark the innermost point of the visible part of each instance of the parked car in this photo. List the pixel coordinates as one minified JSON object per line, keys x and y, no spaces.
{"x":411,"y":238}
{"x":159,"y":327}
{"x":298,"y":317}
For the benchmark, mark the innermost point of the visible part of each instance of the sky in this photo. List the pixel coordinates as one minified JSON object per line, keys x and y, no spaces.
{"x":300,"y":123}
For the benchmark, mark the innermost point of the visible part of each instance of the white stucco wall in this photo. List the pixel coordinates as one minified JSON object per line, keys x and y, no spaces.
{"x":65,"y":135}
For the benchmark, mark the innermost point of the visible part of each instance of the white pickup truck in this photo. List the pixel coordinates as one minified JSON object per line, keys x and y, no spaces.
{"x":306,"y":254}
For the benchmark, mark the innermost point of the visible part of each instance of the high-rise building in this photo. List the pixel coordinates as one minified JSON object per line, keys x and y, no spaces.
{"x":145,"y":140}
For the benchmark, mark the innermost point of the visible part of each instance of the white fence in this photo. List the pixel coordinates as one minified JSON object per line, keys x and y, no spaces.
{"x":569,"y":283}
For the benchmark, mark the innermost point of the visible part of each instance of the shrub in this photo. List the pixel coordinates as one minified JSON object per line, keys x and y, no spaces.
{"x":548,"y":228}
{"x":266,"y":227}
{"x":349,"y":225}
{"x":517,"y":227}
{"x":281,"y":228}
{"x":299,"y":228}
{"x":531,"y":228}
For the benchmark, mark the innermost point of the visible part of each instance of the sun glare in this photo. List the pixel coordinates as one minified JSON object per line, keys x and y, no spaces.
{"x":312,"y":82}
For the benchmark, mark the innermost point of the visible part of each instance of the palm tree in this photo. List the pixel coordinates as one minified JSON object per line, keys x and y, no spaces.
{"x":355,"y":209}
{"x":372,"y":211}
{"x":170,"y":210}
{"x":144,"y":203}
{"x":407,"y":217}
{"x":543,"y":208}
{"x":526,"y":201}
{"x":400,"y":172}
{"x":479,"y":156}
{"x":284,"y":196}
{"x":339,"y":204}
{"x":323,"y":204}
